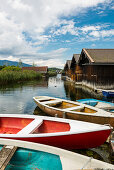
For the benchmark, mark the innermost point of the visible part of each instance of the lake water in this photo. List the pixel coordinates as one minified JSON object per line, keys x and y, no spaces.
{"x":18,"y":99}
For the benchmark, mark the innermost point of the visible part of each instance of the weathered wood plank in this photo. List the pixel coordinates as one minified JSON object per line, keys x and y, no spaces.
{"x":108,"y":108}
{"x":6,"y":154}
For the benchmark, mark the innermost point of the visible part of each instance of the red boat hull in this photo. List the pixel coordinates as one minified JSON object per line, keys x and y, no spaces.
{"x":73,"y":141}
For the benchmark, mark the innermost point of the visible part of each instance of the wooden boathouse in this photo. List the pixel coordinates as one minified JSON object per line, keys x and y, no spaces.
{"x":67,"y":69}
{"x":94,"y":68}
{"x":75,"y":67}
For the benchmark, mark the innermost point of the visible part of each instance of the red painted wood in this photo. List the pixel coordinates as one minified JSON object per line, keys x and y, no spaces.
{"x":74,"y":141}
{"x":13,"y":125}
{"x":53,"y":126}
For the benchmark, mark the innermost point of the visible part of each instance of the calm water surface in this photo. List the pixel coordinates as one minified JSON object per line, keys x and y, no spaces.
{"x":18,"y":99}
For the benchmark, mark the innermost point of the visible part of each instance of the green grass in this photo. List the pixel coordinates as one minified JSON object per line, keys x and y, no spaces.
{"x":16,"y":76}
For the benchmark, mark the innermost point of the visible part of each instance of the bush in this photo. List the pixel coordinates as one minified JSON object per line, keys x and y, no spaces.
{"x":52,"y":73}
{"x":11,"y":68}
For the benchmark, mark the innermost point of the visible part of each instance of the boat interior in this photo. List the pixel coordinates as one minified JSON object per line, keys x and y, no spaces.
{"x":71,"y":107}
{"x":31,"y":126}
{"x":65,"y":106}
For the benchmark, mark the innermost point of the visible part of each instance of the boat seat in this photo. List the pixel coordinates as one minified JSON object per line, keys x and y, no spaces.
{"x":73,"y":108}
{"x":43,"y":98}
{"x":52,"y":102}
{"x":31,"y":127}
{"x":102,"y":105}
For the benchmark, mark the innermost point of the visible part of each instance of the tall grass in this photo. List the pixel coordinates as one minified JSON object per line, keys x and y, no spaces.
{"x":15,"y":76}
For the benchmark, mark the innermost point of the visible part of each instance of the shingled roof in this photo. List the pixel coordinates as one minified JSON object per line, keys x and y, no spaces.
{"x":76,"y":57}
{"x":100,"y":55}
{"x":67,"y":65}
{"x":43,"y":69}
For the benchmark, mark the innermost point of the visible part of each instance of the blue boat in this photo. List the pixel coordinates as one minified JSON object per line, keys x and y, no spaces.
{"x":108,"y":93}
{"x":32,"y":156}
{"x":98,"y":103}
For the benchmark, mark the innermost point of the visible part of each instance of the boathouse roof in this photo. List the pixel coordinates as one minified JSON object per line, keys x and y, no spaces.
{"x":43,"y":69}
{"x":75,"y":60}
{"x":76,"y":57}
{"x":67,"y":65}
{"x":99,"y":55}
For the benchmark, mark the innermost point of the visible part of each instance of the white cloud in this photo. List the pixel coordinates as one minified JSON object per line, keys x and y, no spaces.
{"x":102,"y":33}
{"x":19,"y":5}
{"x":35,"y":18}
{"x":107,"y":33}
{"x":95,"y":33}
{"x":85,"y":29}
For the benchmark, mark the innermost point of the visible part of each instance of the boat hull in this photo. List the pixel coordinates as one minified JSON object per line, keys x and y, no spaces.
{"x":73,"y":141}
{"x":75,"y":116}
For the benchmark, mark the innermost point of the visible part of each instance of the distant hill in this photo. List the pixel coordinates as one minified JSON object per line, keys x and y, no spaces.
{"x":12,"y":63}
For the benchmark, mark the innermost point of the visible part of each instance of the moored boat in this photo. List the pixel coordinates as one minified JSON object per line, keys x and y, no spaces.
{"x":101,"y":104}
{"x":63,"y":133}
{"x":37,"y":156}
{"x":74,"y":110}
{"x":108,"y":93}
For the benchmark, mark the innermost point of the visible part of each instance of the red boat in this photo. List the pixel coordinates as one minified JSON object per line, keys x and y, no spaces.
{"x":63,"y":133}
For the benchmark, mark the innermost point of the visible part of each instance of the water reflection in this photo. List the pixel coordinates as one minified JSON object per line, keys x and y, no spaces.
{"x":17,"y":98}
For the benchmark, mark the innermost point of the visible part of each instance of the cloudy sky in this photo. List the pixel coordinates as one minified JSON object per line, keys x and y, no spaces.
{"x":49,"y":32}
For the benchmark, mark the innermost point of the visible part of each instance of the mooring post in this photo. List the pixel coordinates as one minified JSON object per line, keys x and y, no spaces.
{"x":56,"y":115}
{"x":64,"y":115}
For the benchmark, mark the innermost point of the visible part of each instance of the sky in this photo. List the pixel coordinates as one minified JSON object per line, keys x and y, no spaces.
{"x":49,"y":32}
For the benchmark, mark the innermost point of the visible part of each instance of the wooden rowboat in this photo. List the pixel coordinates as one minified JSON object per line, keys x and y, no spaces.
{"x":74,"y":110}
{"x":63,"y":133}
{"x":37,"y":156}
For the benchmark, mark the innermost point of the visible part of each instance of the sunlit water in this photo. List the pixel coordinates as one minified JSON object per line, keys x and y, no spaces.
{"x":18,"y":98}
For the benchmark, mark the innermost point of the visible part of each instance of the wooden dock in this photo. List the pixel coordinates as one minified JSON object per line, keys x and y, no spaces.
{"x":6,"y":154}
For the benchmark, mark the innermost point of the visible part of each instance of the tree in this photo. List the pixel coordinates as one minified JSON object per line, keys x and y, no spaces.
{"x":20,"y":63}
{"x":33,"y":64}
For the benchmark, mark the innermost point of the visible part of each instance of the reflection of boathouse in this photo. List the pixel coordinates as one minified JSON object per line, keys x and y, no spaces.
{"x":93,"y":67}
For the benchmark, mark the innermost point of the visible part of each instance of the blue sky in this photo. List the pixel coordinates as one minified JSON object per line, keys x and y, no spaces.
{"x":49,"y":32}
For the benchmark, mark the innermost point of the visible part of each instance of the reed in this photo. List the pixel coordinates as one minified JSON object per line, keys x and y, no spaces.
{"x":15,"y":76}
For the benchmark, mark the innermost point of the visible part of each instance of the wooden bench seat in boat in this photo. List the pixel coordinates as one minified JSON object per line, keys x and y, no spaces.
{"x":31,"y":127}
{"x":53,"y":102}
{"x":73,"y":108}
{"x":43,"y":98}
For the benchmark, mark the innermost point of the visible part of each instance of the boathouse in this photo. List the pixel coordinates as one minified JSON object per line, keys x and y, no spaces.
{"x":97,"y":67}
{"x":75,"y":68}
{"x":67,"y":68}
{"x":93,"y":68}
